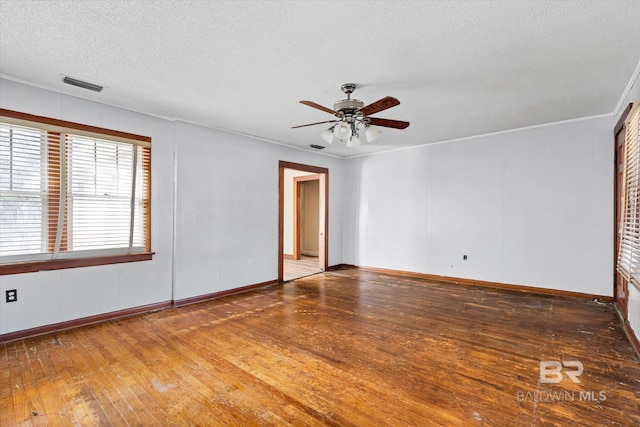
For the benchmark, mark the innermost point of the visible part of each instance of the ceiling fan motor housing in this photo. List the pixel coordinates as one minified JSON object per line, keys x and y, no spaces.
{"x":348,"y":106}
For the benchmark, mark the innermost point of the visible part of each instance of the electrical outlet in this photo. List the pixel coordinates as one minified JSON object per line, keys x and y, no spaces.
{"x":464,"y":257}
{"x":12,"y":295}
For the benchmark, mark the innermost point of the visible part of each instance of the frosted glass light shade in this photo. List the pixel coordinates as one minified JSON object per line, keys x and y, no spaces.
{"x":372,"y":133}
{"x":353,"y":141}
{"x":327,"y":135}
{"x":342,"y":130}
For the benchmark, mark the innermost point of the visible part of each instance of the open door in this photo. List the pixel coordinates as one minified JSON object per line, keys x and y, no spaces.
{"x":307,"y":229}
{"x":308,"y":174}
{"x":323,"y":248}
{"x":621,"y":285}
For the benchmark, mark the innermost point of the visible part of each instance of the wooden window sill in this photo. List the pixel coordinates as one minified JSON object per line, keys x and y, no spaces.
{"x":32,"y":267}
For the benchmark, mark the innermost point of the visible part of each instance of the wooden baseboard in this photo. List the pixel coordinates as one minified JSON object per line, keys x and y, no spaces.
{"x":287,"y":256}
{"x":495,"y":285}
{"x":216,"y":295}
{"x":83,"y":321}
{"x":114,"y":315}
{"x":340,"y":267}
{"x":41,"y":330}
{"x":633,"y":339}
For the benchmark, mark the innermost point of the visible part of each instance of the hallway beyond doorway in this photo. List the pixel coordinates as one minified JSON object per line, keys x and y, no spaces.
{"x":305,"y":266}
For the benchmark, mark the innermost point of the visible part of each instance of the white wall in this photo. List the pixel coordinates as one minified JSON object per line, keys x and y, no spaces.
{"x":633,"y":95}
{"x":227,"y":209}
{"x":287,"y":231}
{"x":57,"y":296}
{"x":226,"y":217}
{"x":530,"y":207}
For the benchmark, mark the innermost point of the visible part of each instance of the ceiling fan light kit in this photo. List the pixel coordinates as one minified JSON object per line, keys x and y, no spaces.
{"x":342,"y":130}
{"x":327,"y":135}
{"x":351,"y":114}
{"x":371,"y":133}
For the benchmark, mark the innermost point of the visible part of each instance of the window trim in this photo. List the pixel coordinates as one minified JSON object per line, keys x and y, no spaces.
{"x":52,"y":126}
{"x":63,"y":126}
{"x":60,"y":264}
{"x":628,"y":251}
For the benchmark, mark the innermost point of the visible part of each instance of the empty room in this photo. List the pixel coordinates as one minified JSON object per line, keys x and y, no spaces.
{"x":356,"y":213}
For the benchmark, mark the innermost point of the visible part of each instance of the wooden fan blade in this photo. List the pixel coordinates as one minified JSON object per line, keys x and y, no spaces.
{"x":312,"y":124}
{"x":318,"y":106}
{"x":396,"y":124}
{"x":379,"y":105}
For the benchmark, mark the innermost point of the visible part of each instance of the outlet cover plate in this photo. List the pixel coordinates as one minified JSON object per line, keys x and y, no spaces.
{"x":11,"y":295}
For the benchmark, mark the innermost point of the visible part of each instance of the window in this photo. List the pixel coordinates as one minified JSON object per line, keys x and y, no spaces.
{"x":70,"y":191}
{"x":628,"y":263}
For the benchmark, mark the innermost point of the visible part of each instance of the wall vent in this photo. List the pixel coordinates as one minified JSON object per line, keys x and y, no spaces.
{"x":317,"y":147}
{"x":80,"y":83}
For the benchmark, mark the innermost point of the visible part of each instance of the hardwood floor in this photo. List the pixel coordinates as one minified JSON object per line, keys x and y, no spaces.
{"x":305,"y":266}
{"x":344,"y":348}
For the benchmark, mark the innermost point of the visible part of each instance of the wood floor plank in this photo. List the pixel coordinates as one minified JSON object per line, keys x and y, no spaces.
{"x":21,"y":403}
{"x":70,"y":389}
{"x":34,"y":382}
{"x":6,"y":394}
{"x":345,"y":348}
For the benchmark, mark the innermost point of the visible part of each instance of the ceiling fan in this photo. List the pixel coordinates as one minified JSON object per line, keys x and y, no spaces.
{"x":351,"y":113}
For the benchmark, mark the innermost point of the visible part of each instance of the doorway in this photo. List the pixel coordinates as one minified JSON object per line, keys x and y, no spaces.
{"x":303,"y":220}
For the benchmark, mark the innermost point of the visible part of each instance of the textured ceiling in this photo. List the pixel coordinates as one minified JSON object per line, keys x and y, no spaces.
{"x":459,"y":68}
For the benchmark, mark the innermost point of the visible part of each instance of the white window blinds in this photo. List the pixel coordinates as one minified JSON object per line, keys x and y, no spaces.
{"x":100,"y":191}
{"x":629,"y":252}
{"x":22,"y":191}
{"x":66,"y":194}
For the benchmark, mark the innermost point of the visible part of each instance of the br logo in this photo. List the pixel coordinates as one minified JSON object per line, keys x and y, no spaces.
{"x":551,"y":371}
